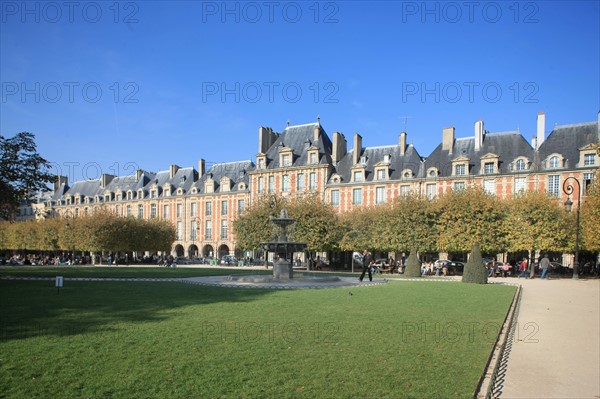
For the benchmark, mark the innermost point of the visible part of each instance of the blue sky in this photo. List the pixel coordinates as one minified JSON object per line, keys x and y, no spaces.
{"x":110,"y":87}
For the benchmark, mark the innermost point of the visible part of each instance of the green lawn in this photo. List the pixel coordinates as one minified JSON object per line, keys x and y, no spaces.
{"x":171,"y":340}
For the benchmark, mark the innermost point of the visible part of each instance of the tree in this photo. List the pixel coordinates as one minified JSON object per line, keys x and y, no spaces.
{"x":22,"y":171}
{"x":475,"y":269}
{"x":536,"y":222}
{"x":590,"y":218}
{"x":413,"y":266}
{"x":468,"y":216}
{"x":253,"y":226}
{"x":412,"y":219}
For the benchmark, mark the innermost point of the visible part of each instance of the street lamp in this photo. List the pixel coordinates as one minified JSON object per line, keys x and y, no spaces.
{"x":568,"y":189}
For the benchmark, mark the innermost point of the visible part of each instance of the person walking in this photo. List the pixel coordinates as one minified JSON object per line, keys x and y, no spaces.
{"x":523,"y":268}
{"x":544,"y":264}
{"x":366,"y":266}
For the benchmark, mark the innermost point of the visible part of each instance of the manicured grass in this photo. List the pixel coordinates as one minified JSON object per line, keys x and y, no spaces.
{"x":171,"y":340}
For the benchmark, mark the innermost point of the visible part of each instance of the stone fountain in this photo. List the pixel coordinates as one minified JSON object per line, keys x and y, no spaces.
{"x":282,"y":267}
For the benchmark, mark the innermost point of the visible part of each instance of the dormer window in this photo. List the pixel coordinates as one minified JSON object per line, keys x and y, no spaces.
{"x":312,"y":157}
{"x":209,"y":186}
{"x":520,"y":165}
{"x":129,"y":195}
{"x":286,"y":160}
{"x":386,"y":158}
{"x":460,"y":169}
{"x":77,"y":199}
{"x":381,"y":174}
{"x":554,"y":162}
{"x":432,"y":172}
{"x":261,"y":161}
{"x":407,"y":174}
{"x":140,"y":194}
{"x":241,"y":186}
{"x":107,"y":198}
{"x":589,"y":160}
{"x":488,"y":168}
{"x":363,"y":160}
{"x":358,"y":175}
{"x":194,"y":190}
{"x":225,"y":184}
{"x":489,"y":164}
{"x":180,"y":191}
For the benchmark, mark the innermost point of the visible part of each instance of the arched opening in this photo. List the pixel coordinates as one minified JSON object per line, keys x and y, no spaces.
{"x":223,"y":250}
{"x":208,"y":251}
{"x":193,"y":251}
{"x":179,"y":250}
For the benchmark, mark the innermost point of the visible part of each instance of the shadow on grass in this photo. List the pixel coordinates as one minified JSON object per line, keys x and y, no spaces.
{"x":37,"y":309}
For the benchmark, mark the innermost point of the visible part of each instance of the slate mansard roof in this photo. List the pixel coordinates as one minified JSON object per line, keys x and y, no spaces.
{"x":508,"y":146}
{"x":567,"y":140}
{"x":297,"y":138}
{"x":374,"y":155}
{"x":236,"y":172}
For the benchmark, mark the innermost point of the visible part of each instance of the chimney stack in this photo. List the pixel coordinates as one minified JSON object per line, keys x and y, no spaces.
{"x":172,"y":170}
{"x":105,"y":180}
{"x":316,"y":133}
{"x":479,"y":134}
{"x":534,"y":143}
{"x":357,"y":148}
{"x":448,"y":139}
{"x":266,"y":138}
{"x":541,"y":129}
{"x":340,"y":147}
{"x":201,"y":168}
{"x":402,"y":142}
{"x":138,"y":174}
{"x":59,"y":181}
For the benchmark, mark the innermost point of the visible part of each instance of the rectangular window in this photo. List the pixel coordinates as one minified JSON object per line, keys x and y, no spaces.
{"x":312,"y":181}
{"x":405,"y":190}
{"x":208,"y":230}
{"x":357,"y":196}
{"x":261,"y":184}
{"x":459,"y":185}
{"x":380,"y":174}
{"x":193,"y":209}
{"x":589,"y":160}
{"x":152,"y":211}
{"x":285,"y":160}
{"x":519,"y":184}
{"x":241,"y":205}
{"x":179,"y":230}
{"x":165,"y":211}
{"x":380,"y":195}
{"x":300,"y":184}
{"x":554,"y":185}
{"x":153,"y":194}
{"x":358,"y":175}
{"x":489,"y":186}
{"x":224,"y":209}
{"x":431,"y":190}
{"x":335,"y":197}
{"x":118,"y":210}
{"x":224,"y":227}
{"x":488,"y":168}
{"x":179,"y":210}
{"x":128,"y":211}
{"x":208,"y":209}
{"x":460,"y":170}
{"x":285,"y":183}
{"x":140,"y":214}
{"x":193,"y":230}
{"x":271,"y":184}
{"x":313,"y":158}
{"x":587,"y":182}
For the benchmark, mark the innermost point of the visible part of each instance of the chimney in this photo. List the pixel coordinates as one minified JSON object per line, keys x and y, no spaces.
{"x":105,"y":180}
{"x":357,"y":148}
{"x":541,"y":129}
{"x":201,"y":168}
{"x":340,"y":147}
{"x":402,"y":142}
{"x":138,"y":174}
{"x":172,"y":170}
{"x":448,"y":139}
{"x":266,"y":138}
{"x":316,"y":133}
{"x":478,"y":134}
{"x":534,"y":143}
{"x":59,"y":181}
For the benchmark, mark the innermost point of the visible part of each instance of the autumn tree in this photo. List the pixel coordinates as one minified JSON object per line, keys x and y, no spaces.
{"x":590,"y":218}
{"x":535,"y":222}
{"x":412,"y":223}
{"x":465,"y":217}
{"x":253,"y":226}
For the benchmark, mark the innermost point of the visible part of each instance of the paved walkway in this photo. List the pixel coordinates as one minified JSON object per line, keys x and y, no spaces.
{"x":555,"y":352}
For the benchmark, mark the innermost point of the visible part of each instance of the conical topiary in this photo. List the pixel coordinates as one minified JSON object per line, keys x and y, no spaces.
{"x":475,"y":269}
{"x":413,"y":266}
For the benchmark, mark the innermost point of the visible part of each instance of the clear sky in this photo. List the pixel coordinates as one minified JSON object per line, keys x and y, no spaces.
{"x":109,"y":87}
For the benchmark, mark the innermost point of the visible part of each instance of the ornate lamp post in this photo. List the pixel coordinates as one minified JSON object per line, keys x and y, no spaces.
{"x":568,"y":189}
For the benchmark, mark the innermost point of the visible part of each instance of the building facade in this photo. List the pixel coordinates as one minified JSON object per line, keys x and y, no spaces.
{"x":202,"y":204}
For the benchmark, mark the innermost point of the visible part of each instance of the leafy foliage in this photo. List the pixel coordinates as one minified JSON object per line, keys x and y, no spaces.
{"x":97,"y":232}
{"x":412,"y":221}
{"x":22,"y":171}
{"x":590,"y":217}
{"x":469,"y":216}
{"x":413,"y":266}
{"x":474,"y":271}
